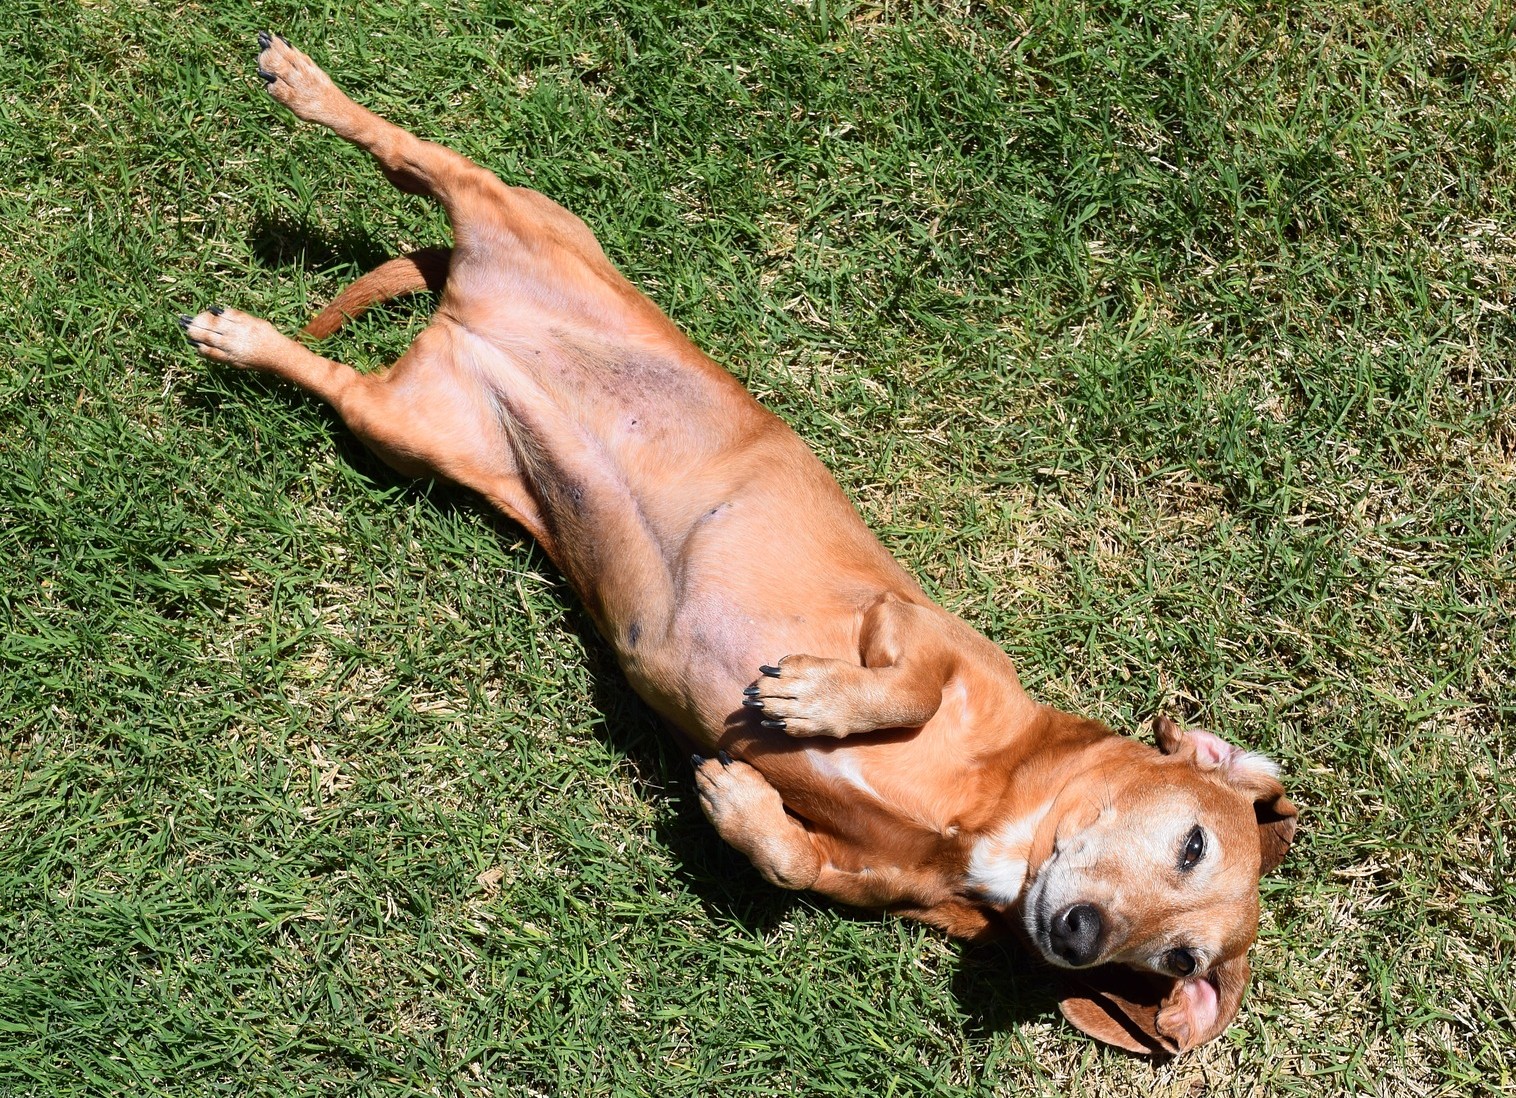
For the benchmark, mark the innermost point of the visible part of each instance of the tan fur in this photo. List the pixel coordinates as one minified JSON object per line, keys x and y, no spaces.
{"x":902,"y":766}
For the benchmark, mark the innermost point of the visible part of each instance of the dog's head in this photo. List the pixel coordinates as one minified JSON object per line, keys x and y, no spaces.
{"x":1143,"y":878}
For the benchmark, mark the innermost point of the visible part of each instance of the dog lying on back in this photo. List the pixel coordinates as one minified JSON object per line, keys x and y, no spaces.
{"x":856,"y":739}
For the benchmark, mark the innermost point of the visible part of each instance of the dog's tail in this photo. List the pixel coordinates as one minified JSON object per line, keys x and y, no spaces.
{"x":420,"y":270}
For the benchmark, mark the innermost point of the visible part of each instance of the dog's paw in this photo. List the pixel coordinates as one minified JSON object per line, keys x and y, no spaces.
{"x":226,"y":335}
{"x":793,"y":697}
{"x":294,"y":79}
{"x":748,"y":813}
{"x":732,"y":792}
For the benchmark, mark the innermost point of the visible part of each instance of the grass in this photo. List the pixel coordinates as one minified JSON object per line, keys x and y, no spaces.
{"x":1168,"y":342}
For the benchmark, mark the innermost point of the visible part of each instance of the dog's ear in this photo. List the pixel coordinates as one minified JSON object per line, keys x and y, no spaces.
{"x":1277,"y":820}
{"x":1249,"y":772}
{"x":1118,"y":1006}
{"x":1153,"y":1015}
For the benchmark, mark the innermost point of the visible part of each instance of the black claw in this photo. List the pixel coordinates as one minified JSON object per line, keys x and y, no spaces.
{"x":217,"y":310}
{"x":771,"y":672}
{"x":263,"y":40}
{"x":697,"y":761}
{"x":723,"y":758}
{"x":773,"y":724}
{"x":753,"y":703}
{"x":265,"y":75}
{"x":283,"y":39}
{"x":750,"y":690}
{"x":185,"y":320}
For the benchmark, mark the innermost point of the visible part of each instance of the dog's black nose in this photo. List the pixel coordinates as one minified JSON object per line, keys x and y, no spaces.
{"x":1076,"y":933}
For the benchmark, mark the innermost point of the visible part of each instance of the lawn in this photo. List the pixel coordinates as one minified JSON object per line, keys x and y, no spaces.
{"x":1168,"y":343}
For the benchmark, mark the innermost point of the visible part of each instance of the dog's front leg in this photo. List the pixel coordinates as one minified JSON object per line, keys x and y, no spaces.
{"x":908,"y":654}
{"x":747,"y":812}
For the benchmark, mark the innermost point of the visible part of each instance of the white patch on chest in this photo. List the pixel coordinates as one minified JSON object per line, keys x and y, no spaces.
{"x":842,"y":765}
{"x":997,"y":864}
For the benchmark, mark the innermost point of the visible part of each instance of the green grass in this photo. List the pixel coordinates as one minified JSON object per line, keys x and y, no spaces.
{"x":1168,"y":343}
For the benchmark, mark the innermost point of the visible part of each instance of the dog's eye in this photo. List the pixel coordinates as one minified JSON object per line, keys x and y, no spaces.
{"x":1181,"y":961}
{"x":1194,"y":849}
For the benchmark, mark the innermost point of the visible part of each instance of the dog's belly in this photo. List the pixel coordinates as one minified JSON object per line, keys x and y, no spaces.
{"x":700,"y":531}
{"x":746,"y":593}
{"x":734,"y":547}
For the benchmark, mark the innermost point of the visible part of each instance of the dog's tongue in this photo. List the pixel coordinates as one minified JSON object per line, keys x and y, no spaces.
{"x":1201,"y":995}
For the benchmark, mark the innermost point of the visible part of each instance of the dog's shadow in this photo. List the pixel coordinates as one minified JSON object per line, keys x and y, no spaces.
{"x":278,"y":240}
{"x":997,"y":986}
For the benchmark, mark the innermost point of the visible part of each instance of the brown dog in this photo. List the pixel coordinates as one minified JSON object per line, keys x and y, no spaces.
{"x":891,"y":759}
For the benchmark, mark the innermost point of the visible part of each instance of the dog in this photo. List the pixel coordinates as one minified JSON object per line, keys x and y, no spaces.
{"x":855,"y":738}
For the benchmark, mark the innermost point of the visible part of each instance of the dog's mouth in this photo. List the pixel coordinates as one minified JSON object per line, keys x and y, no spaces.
{"x":1037,"y":917}
{"x":1043,"y":942}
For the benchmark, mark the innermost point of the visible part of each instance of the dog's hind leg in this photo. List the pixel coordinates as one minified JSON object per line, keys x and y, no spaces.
{"x":411,"y":164}
{"x":482,"y":209}
{"x":424,"y":416}
{"x":496,"y":228}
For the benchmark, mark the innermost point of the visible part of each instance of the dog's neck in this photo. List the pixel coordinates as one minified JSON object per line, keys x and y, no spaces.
{"x":1041,"y":764}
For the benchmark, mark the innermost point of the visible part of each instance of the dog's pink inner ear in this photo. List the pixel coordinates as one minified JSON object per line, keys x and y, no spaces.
{"x":1210,"y":749}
